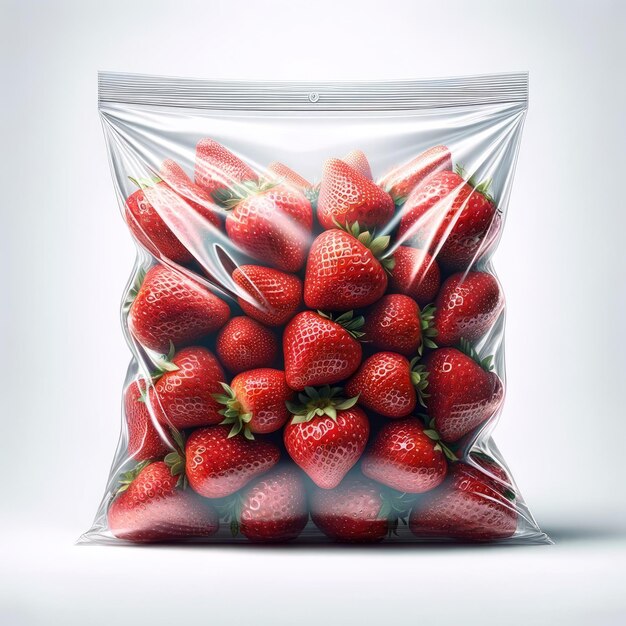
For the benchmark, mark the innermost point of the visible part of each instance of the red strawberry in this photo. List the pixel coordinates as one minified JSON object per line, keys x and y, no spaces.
{"x":344,"y":272}
{"x":244,"y":344}
{"x":396,"y":323}
{"x":255,"y":402}
{"x":346,"y":196}
{"x":182,"y":395}
{"x":197,"y":197}
{"x":467,"y":307}
{"x":217,"y":465}
{"x":218,"y":168}
{"x":281,"y":172}
{"x":147,"y":225}
{"x":171,"y":308}
{"x":357,"y":510}
{"x":416,"y":274}
{"x":469,"y":506}
{"x":403,"y":179}
{"x":388,"y":384}
{"x":271,"y":223}
{"x":144,"y":440}
{"x":271,"y":297}
{"x":450,"y":217}
{"x":319,"y":350}
{"x":327,"y":435}
{"x":150,"y":507}
{"x":274,"y":508}
{"x":406,"y":457}
{"x":357,"y":160}
{"x":463,"y":391}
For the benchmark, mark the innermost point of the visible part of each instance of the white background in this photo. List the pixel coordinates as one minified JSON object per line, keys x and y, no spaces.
{"x":66,"y":256}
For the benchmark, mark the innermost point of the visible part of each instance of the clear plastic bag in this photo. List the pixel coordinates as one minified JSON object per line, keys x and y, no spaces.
{"x":315,"y":322}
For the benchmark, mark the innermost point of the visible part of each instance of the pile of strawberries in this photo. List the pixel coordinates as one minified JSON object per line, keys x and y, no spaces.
{"x":335,"y":379}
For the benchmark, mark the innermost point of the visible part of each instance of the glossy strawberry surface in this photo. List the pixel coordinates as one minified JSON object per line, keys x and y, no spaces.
{"x":183,"y":398}
{"x":467,"y":307}
{"x":244,"y":344}
{"x":217,"y":466}
{"x":326,"y":448}
{"x":403,"y":457}
{"x":342,"y":273}
{"x":269,"y":296}
{"x":318,"y":351}
{"x":347,"y":196}
{"x":153,"y":508}
{"x":170,"y":307}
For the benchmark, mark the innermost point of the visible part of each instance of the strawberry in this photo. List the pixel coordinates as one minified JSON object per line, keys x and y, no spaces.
{"x":416,"y":274}
{"x":357,"y":160}
{"x":197,"y":197}
{"x":274,"y":508}
{"x":267,"y":295}
{"x":406,"y":457}
{"x":327,"y":434}
{"x":395,"y":323}
{"x":470,"y":506}
{"x":389,"y":385}
{"x":358,"y":510}
{"x":319,"y":350}
{"x":182,"y":396}
{"x":217,"y":465}
{"x":169,"y":307}
{"x":467,"y":306}
{"x":149,"y":228}
{"x":255,"y":402}
{"x":244,"y":344}
{"x":218,"y":168}
{"x":347,"y":196}
{"x":144,"y":440}
{"x":450,"y":217}
{"x":403,"y":179}
{"x":344,"y":271}
{"x":463,"y":391}
{"x":150,"y":506}
{"x":271,"y":223}
{"x":282,"y":173}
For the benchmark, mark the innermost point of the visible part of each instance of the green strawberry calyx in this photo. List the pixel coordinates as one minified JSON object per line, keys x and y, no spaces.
{"x":319,"y":402}
{"x":468,"y":349}
{"x":164,"y":364}
{"x":377,"y":245}
{"x":419,"y":378}
{"x":395,"y":508}
{"x":134,"y":289}
{"x":234,"y":413}
{"x":347,"y":320}
{"x":429,"y":332}
{"x":176,"y":460}
{"x":440,"y":446}
{"x":229,"y":197}
{"x":312,"y":195}
{"x":481,"y":187}
{"x":229,"y":510}
{"x":144,"y":182}
{"x":127,"y":478}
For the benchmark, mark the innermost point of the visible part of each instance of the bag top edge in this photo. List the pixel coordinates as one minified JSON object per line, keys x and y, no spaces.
{"x":154,"y":90}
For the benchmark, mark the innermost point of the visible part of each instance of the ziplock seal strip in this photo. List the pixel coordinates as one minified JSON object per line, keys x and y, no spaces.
{"x":193,"y":93}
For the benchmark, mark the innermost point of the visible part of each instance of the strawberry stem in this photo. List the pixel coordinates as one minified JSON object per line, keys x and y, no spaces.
{"x":234,"y":413}
{"x":466,"y":348}
{"x":317,"y":402}
{"x":347,"y":320}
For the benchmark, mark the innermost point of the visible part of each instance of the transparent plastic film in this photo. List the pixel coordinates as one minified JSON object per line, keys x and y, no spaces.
{"x":315,"y":322}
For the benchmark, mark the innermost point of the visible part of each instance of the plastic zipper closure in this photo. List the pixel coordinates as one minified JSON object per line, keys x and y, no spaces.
{"x":142,"y":89}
